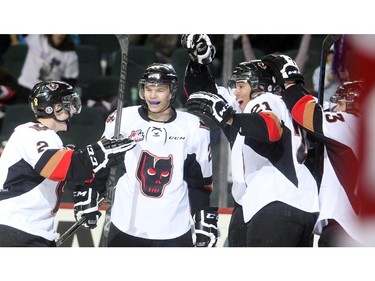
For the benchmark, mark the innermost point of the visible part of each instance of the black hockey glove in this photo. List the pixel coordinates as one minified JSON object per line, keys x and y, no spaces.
{"x":213,"y":106}
{"x":199,"y":47}
{"x":206,"y":227}
{"x":108,"y":152}
{"x":86,"y":205}
{"x":284,"y":68}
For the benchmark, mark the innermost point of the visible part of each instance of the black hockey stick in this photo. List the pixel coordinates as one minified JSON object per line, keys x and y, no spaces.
{"x":326,"y":46}
{"x":319,"y":148}
{"x":75,"y":227}
{"x":123,"y":40}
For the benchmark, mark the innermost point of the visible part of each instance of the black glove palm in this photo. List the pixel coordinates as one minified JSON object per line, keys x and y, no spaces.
{"x":213,"y":106}
{"x":108,"y":152}
{"x":284,"y":68}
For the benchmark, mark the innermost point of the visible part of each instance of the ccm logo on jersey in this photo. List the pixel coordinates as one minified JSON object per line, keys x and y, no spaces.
{"x":91,"y":153}
{"x":176,"y":138}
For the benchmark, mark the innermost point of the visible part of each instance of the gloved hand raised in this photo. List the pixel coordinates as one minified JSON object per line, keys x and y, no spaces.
{"x":213,"y":106}
{"x":108,"y":152}
{"x":284,"y":68}
{"x":86,"y":205}
{"x":199,"y":47}
{"x":206,"y":227}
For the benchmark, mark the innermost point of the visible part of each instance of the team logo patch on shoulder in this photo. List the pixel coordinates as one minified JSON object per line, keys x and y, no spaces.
{"x":137,"y":135}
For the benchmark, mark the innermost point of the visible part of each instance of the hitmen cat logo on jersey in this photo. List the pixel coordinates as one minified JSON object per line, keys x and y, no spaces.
{"x":154,"y":173}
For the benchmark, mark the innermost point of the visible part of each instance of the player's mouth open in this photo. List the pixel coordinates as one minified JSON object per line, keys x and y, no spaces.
{"x":154,"y":102}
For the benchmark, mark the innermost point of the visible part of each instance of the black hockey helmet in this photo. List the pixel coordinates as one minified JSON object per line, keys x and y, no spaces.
{"x":45,"y":95}
{"x":159,"y":73}
{"x":255,"y":74}
{"x":350,"y":92}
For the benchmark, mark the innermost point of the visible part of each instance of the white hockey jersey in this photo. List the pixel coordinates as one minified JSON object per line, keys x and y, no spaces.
{"x":28,"y":201}
{"x":338,"y":131}
{"x":272,"y":171}
{"x":151,"y":197}
{"x":342,"y":129}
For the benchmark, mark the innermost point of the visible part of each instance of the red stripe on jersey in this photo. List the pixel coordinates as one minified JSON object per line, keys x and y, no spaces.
{"x":58,"y":165}
{"x":273,"y":125}
{"x":303,"y":112}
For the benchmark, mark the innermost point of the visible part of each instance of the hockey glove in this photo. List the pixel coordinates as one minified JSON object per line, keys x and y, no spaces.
{"x":86,"y":205}
{"x":199,"y":47}
{"x":206,"y":227}
{"x":284,"y":68}
{"x":213,"y":106}
{"x":108,"y":152}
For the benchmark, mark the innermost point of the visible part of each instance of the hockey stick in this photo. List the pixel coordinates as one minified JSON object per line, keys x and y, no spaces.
{"x":123,"y":40}
{"x":326,"y":46}
{"x":75,"y":227}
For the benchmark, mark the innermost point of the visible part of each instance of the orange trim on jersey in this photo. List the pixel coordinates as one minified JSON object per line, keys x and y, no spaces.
{"x":303,"y":112}
{"x":58,"y":165}
{"x":273,"y":125}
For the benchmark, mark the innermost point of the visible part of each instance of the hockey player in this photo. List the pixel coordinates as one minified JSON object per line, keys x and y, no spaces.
{"x":151,"y":203}
{"x":35,"y":165}
{"x":338,"y":222}
{"x":279,"y":195}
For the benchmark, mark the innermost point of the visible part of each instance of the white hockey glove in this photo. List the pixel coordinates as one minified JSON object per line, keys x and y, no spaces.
{"x":206,"y":227}
{"x":199,"y":47}
{"x":213,"y":106}
{"x":108,"y":152}
{"x":86,"y":205}
{"x":284,"y":68}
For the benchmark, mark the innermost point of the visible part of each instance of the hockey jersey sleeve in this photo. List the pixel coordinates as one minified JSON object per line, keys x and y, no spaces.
{"x":64,"y":164}
{"x":304,"y":108}
{"x":260,"y":120}
{"x":198,"y":167}
{"x":198,"y":78}
{"x":45,"y":153}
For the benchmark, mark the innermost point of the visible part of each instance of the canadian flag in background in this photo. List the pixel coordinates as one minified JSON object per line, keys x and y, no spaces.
{"x":360,"y":62}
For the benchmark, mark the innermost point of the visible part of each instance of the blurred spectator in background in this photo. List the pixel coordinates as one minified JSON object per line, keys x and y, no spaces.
{"x":7,"y":40}
{"x":331,"y":80}
{"x":162,"y":44}
{"x":300,"y":59}
{"x":8,"y":86}
{"x":49,"y":57}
